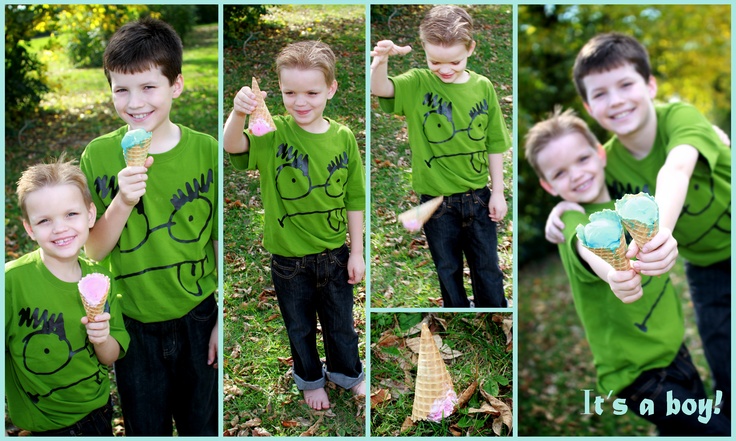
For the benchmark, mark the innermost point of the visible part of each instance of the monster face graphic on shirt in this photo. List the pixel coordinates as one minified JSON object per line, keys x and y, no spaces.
{"x":47,"y":351}
{"x":178,"y":221}
{"x":441,"y":125}
{"x":702,"y":206}
{"x":308,"y":189}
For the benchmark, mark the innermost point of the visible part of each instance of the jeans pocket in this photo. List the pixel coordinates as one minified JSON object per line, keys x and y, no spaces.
{"x":205,"y":310}
{"x":284,"y":268}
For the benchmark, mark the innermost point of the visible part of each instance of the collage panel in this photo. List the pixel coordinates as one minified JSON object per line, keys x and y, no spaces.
{"x":439,"y":144}
{"x":625,"y":117}
{"x":441,"y":374}
{"x":151,"y":227}
{"x":292,"y":195}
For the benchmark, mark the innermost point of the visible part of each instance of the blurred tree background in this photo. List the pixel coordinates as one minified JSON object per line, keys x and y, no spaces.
{"x":689,"y":49}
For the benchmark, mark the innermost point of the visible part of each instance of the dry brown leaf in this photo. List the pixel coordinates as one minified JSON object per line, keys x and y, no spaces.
{"x":389,"y":339}
{"x":380,"y":397}
{"x":408,"y":424}
{"x":465,"y":396}
{"x":253,"y":422}
{"x":260,"y":431}
{"x":288,"y":361}
{"x":313,"y":429}
{"x":485,"y":408}
{"x":290,"y":423}
{"x":455,"y":430}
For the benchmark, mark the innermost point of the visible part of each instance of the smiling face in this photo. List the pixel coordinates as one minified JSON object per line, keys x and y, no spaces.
{"x":59,"y":221}
{"x":305,"y":94}
{"x":621,"y":100}
{"x":573,"y":169}
{"x":143,"y":100}
{"x":449,"y":62}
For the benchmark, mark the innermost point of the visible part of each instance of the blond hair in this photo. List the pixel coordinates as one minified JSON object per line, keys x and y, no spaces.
{"x":52,"y":174}
{"x":307,"y":55}
{"x":557,"y":124}
{"x":447,"y":25}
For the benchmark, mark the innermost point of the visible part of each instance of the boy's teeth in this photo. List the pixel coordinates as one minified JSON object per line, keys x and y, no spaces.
{"x":140,"y":116}
{"x":621,"y":115}
{"x":63,"y":241}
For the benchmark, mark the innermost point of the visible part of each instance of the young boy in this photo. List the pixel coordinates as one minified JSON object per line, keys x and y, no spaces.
{"x":457,"y":136}
{"x":157,"y":232}
{"x":313,"y":189}
{"x":56,"y":371}
{"x":672,"y":152}
{"x":635,"y":336}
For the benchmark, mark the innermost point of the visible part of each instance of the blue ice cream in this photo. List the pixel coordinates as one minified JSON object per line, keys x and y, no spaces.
{"x":603,"y":231}
{"x":134,"y":137}
{"x":639,"y":207}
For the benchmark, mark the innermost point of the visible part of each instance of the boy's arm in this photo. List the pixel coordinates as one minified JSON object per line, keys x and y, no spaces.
{"x":554,"y":226}
{"x":673,"y":181}
{"x":107,"y":349}
{"x":497,"y":207}
{"x":626,"y":285}
{"x":107,"y":229}
{"x":233,"y":138}
{"x":381,"y":86}
{"x":356,"y":262}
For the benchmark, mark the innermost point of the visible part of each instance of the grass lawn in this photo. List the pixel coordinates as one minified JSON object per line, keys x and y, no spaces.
{"x":260,"y":395}
{"x":402,"y":271}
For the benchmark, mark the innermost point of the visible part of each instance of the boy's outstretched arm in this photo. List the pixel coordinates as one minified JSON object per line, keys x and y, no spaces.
{"x":497,"y":207}
{"x":673,"y":181}
{"x":107,"y":229}
{"x":554,"y":226}
{"x":381,"y":86}
{"x":626,"y":285}
{"x":356,"y":262}
{"x":233,"y":138}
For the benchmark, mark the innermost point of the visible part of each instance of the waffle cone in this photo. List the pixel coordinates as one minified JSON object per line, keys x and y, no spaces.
{"x":617,"y":258}
{"x":640,"y":232}
{"x":136,"y":155}
{"x":260,"y":117}
{"x":433,"y":381}
{"x":414,"y":218}
{"x":93,"y":311}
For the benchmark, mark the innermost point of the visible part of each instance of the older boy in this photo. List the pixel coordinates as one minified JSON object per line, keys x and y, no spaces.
{"x":157,"y":231}
{"x":670,"y":151}
{"x":313,"y":190}
{"x":56,"y":371}
{"x":637,"y":345}
{"x":457,"y":135}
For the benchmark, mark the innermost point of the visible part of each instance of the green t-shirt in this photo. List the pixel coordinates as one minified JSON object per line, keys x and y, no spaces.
{"x":165,"y":258}
{"x":703,"y":230}
{"x":452,"y":130}
{"x":625,"y":339}
{"x":308,"y":183}
{"x":52,"y":376}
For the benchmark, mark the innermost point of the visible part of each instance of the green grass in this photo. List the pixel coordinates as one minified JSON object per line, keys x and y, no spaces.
{"x":259,"y":392}
{"x":555,"y":361}
{"x":403,"y":274}
{"x":485,"y":359}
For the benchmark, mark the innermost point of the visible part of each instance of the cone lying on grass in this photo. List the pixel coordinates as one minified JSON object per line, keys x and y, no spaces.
{"x":93,"y":289}
{"x":640,"y":216}
{"x":604,"y":236}
{"x":434,"y":394}
{"x":260,"y":121}
{"x":414,"y":218}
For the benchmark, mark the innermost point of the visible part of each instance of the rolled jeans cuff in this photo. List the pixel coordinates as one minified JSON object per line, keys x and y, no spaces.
{"x":302,"y":384}
{"x":344,"y":381}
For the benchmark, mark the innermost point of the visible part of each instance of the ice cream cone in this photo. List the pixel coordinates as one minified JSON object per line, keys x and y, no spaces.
{"x":260,"y":121}
{"x":433,"y":391}
{"x":135,"y":147}
{"x":640,"y":216}
{"x":615,"y":257}
{"x":93,"y":290}
{"x":414,"y":218}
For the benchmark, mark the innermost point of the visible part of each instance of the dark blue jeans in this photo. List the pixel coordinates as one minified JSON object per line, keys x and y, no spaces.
{"x":314,"y":286}
{"x":164,"y":375}
{"x":710,"y":290}
{"x":96,"y":423}
{"x":461,"y":226}
{"x":682,"y":379}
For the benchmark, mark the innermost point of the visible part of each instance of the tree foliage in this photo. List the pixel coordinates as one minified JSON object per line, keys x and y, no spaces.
{"x":689,"y":49}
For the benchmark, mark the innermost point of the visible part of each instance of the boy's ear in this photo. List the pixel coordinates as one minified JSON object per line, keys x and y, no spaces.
{"x":587,"y":107}
{"x":652,"y":86}
{"x":602,"y":154}
{"x":91,"y":215}
{"x":471,"y":48}
{"x":28,"y":229}
{"x":178,"y":86}
{"x":547,"y":187}
{"x":331,"y":91}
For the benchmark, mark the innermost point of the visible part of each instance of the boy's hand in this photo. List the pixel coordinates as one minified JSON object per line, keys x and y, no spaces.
{"x":99,"y":330}
{"x":497,"y":207}
{"x":132,"y":182}
{"x":356,"y":268}
{"x":245,"y":101}
{"x":656,"y":257}
{"x":212,"y":349}
{"x":554,"y":226}
{"x":384,"y":49}
{"x":626,"y":285}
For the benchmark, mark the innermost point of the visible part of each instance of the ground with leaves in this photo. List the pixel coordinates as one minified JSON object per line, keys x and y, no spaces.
{"x":477,"y":349}
{"x":403,"y":274}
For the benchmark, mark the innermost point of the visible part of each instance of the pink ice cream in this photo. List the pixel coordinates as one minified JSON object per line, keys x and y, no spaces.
{"x":412,"y":224}
{"x":443,"y":407}
{"x":260,"y":127}
{"x":94,"y":287}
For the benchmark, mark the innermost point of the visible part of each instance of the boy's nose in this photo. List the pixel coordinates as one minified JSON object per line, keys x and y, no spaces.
{"x":135,"y":101}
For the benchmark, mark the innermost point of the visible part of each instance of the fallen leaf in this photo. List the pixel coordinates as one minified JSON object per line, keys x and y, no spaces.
{"x":287,"y":361}
{"x":408,"y":424}
{"x":389,"y":339}
{"x":485,"y":408}
{"x":253,"y":422}
{"x":455,"y":430}
{"x":290,"y":423}
{"x":380,"y":397}
{"x":260,"y":431}
{"x":464,"y":397}
{"x":313,"y":429}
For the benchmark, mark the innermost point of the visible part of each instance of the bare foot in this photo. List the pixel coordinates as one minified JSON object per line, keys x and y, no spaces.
{"x":358,"y":389}
{"x":317,"y":399}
